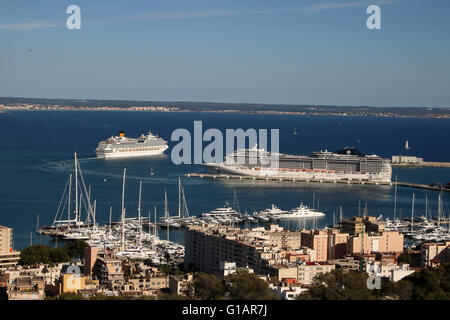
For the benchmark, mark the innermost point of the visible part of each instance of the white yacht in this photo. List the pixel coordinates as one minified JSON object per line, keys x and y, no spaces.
{"x":223,"y":215}
{"x":302,"y":211}
{"x":268,"y":214}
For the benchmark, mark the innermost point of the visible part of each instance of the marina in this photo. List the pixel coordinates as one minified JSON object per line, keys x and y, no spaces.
{"x":40,"y":177}
{"x":227,"y":153}
{"x":126,"y":238}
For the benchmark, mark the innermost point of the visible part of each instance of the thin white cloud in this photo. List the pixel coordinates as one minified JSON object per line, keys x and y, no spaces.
{"x":343,"y":5}
{"x":29,"y":26}
{"x":169,"y":16}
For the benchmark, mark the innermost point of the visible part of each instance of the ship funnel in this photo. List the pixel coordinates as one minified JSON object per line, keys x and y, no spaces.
{"x":121,"y":134}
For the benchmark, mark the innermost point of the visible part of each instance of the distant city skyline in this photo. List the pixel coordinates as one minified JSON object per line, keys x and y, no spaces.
{"x":285,"y":52}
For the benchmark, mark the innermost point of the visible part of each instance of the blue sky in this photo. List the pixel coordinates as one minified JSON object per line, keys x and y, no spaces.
{"x":287,"y":52}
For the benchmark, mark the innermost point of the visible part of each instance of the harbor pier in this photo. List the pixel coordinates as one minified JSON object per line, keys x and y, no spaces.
{"x":358,"y":182}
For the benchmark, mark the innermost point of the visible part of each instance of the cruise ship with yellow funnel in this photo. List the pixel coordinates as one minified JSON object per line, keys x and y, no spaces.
{"x":124,"y":147}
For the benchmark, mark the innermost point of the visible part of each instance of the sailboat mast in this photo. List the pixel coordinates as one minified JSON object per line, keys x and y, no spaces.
{"x":149,"y":228}
{"x":93,"y":217}
{"x":110,"y":215}
{"x":359,"y":208}
{"x":166,"y":213}
{"x":439,"y":208}
{"x":123,"y":207}
{"x":139,"y":202}
{"x":79,"y":213}
{"x":185,"y":208}
{"x":395,"y":198}
{"x":412,"y":212}
{"x":154,"y":222}
{"x":68,"y":202}
{"x":179,"y":198}
{"x":314,"y":195}
{"x":76,"y":184}
{"x":236,"y":203}
{"x":89,"y":196}
{"x":426,"y":206}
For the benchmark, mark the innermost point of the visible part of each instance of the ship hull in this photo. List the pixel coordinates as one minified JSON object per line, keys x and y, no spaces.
{"x":130,"y":154}
{"x":287,"y":216}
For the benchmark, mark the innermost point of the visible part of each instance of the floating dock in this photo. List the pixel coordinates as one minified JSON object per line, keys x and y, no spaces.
{"x":360,"y":182}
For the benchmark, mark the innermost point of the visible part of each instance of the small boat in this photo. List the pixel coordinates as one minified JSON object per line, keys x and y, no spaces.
{"x":151,"y":170}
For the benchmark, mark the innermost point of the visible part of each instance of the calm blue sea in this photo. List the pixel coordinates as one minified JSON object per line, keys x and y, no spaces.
{"x":33,"y":145}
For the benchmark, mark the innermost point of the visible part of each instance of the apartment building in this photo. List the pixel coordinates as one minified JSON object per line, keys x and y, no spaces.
{"x":208,"y":246}
{"x":357,"y":225}
{"x":8,"y":256}
{"x":394,"y":272}
{"x":181,"y":285}
{"x":48,"y":274}
{"x":149,"y":283}
{"x":26,"y":288}
{"x":108,"y":270}
{"x":437,"y":251}
{"x":328,"y":244}
{"x":305,"y":272}
{"x":385,"y":242}
{"x":318,"y":241}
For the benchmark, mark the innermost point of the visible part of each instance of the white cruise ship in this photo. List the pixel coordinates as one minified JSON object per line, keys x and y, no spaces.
{"x":301,"y":211}
{"x":345,"y":165}
{"x":124,"y":147}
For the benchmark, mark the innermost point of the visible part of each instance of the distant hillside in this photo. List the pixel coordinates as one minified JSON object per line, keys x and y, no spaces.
{"x":238,"y":107}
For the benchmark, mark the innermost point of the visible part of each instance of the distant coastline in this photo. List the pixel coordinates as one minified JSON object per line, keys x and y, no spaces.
{"x":37,"y":104}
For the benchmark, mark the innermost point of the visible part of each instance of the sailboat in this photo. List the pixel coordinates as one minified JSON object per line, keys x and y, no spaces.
{"x":295,"y":131}
{"x":151,"y":170}
{"x":407,"y":147}
{"x":66,"y":201}
{"x":167,"y":221}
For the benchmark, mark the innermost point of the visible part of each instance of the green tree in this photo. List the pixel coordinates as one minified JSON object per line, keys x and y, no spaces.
{"x":75,"y":249}
{"x":337,"y":285}
{"x":430,"y":284}
{"x":208,"y":287}
{"x":59,"y":255}
{"x":39,"y":254}
{"x":405,"y":258}
{"x":247,"y":286}
{"x":35,"y":254}
{"x":401,"y":290}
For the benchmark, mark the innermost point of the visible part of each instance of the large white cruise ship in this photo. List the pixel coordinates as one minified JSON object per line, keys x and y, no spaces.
{"x":346,"y":164}
{"x":124,"y":147}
